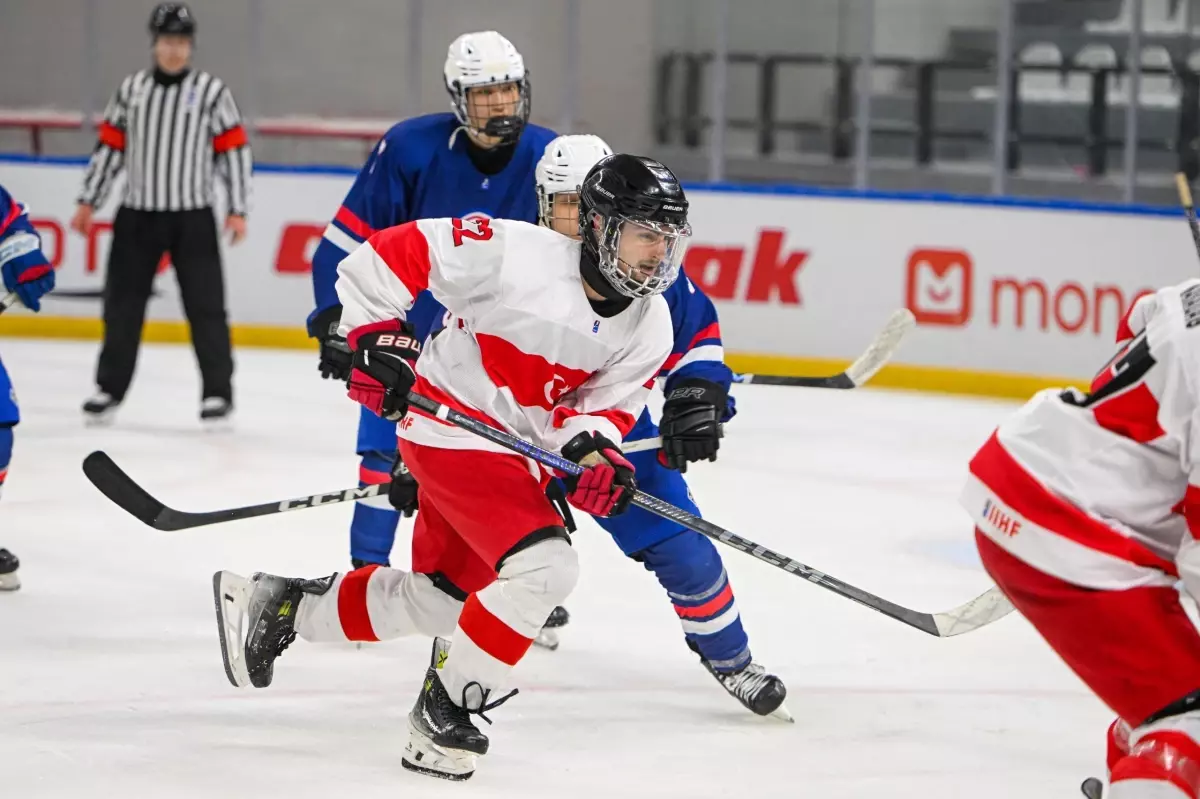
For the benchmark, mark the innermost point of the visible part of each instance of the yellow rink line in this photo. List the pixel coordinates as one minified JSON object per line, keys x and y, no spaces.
{"x":920,"y":378}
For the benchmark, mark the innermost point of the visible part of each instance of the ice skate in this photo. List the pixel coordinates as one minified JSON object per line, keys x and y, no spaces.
{"x":216,"y":413}
{"x":99,"y":409}
{"x":8,"y":571}
{"x":256,"y":621}
{"x":548,"y":637}
{"x":443,"y":741}
{"x":758,"y":691}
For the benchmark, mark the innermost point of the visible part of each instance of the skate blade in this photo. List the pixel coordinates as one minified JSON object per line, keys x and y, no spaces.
{"x":423,"y":756}
{"x":547,"y":639}
{"x":231,"y":594}
{"x":9,"y":582}
{"x":783,"y":714}
{"x":222,"y":425}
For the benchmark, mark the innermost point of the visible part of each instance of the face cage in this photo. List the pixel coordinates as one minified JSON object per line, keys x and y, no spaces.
{"x":546,"y":204}
{"x":458,"y":102}
{"x":667,"y":270}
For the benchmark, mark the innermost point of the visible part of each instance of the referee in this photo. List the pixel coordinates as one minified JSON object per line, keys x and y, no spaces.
{"x":170,"y":129}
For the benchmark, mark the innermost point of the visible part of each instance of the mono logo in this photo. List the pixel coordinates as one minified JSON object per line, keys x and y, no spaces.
{"x":939,"y":287}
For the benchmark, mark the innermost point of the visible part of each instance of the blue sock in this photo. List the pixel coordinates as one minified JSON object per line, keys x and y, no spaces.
{"x":373,"y":529}
{"x":689,"y":567}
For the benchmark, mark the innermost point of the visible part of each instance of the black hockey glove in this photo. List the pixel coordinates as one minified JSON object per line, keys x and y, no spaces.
{"x":382,"y":373}
{"x":335,"y":360}
{"x":691,"y":422}
{"x":402,"y":493}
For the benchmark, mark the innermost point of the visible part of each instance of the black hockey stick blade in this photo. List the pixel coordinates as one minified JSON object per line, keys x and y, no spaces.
{"x":880,"y":351}
{"x":123,"y":491}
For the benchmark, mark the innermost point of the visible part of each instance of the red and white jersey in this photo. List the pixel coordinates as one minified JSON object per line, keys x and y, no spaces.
{"x":1127,"y":454}
{"x":523,"y":349}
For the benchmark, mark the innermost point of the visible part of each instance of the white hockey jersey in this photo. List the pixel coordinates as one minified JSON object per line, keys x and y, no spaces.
{"x":1126,"y":454}
{"x":523,"y":349}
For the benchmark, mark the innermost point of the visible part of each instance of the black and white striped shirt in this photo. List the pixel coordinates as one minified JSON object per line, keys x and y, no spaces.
{"x":169,"y":134}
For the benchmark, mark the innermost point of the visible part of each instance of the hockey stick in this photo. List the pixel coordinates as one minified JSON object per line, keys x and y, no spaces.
{"x":122,"y":490}
{"x":135,"y":500}
{"x":1189,"y":210}
{"x":103,"y":472}
{"x":8,"y":301}
{"x":882,"y":348}
{"x":984,"y":609}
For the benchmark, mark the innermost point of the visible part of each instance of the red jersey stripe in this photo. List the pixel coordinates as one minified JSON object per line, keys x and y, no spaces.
{"x":352,"y":604}
{"x":623,"y":421}
{"x":112,"y":137}
{"x":533,"y":380}
{"x":490,"y":634}
{"x":353,"y":223}
{"x":1133,"y":414}
{"x":230,"y":140}
{"x":1000,"y":472}
{"x":406,"y":252}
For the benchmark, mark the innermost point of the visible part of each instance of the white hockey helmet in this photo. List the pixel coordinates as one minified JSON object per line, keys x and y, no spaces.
{"x":563,"y":167}
{"x":486,"y":58}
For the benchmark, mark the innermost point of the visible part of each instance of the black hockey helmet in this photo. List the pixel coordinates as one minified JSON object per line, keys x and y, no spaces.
{"x":172,"y":19}
{"x":632,"y":195}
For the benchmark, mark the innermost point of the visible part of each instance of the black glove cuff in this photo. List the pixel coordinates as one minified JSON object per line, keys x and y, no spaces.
{"x":325,"y":324}
{"x":585,"y":444}
{"x":697,"y":391}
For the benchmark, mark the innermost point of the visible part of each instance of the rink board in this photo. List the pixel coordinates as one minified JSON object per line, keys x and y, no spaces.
{"x":1010,"y":296}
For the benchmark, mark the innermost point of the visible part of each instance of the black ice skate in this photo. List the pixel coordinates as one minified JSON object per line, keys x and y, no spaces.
{"x":443,"y":741}
{"x":100,"y":408}
{"x":8,"y":571}
{"x":547,"y":637}
{"x":214,"y":410}
{"x":268,"y":603}
{"x":758,"y":691}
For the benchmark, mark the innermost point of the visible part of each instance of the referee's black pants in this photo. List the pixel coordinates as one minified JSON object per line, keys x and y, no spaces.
{"x":139,"y":239}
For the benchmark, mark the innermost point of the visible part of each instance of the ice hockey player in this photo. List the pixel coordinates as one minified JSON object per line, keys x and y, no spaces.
{"x":551,"y":339}
{"x":26,"y":272}
{"x":474,"y":163}
{"x":686,"y":563}
{"x":1087,"y":509}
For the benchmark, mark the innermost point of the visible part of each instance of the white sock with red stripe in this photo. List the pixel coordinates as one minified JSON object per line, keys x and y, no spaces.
{"x":376,"y":603}
{"x":499,"y":623}
{"x":1162,"y":764}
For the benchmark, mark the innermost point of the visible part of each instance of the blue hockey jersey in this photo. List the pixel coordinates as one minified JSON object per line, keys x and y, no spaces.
{"x":413,"y":174}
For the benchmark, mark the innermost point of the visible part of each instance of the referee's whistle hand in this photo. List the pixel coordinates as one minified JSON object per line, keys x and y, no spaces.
{"x":81,"y":222}
{"x":236,"y":227}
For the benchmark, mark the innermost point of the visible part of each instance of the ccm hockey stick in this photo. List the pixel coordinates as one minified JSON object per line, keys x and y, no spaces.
{"x":125,"y":492}
{"x":882,"y":348}
{"x":8,"y":301}
{"x":984,"y":609}
{"x":122,"y":490}
{"x":119,"y":487}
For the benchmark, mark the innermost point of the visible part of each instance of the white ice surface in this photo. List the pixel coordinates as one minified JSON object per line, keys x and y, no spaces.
{"x":110,"y":674}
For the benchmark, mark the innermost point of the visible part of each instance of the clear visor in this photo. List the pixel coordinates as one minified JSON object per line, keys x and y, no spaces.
{"x":641,"y":258}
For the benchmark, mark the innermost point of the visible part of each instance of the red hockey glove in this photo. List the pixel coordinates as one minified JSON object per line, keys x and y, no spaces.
{"x":607,"y":484}
{"x":382,"y":373}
